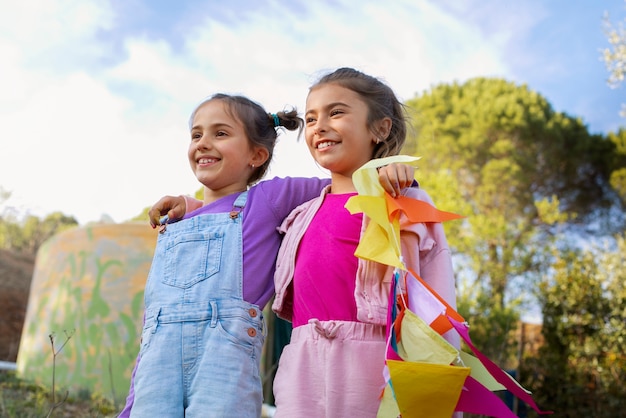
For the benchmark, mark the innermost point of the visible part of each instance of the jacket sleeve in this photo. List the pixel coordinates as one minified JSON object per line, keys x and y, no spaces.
{"x":191,"y":203}
{"x":426,"y":251}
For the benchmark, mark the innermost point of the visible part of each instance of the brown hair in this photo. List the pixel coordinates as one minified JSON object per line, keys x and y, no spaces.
{"x":381,"y":102}
{"x":259,"y":126}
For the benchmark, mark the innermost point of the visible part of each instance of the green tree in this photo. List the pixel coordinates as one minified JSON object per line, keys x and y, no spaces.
{"x":492,"y":326}
{"x":499,"y":154}
{"x":617,"y":165}
{"x":580,"y":369}
{"x":615,"y":56}
{"x":502,"y":150}
{"x":27,"y":236}
{"x":615,"y":59}
{"x":143,"y":216}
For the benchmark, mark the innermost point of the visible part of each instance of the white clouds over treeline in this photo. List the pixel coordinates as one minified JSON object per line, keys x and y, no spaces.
{"x":96,"y":95}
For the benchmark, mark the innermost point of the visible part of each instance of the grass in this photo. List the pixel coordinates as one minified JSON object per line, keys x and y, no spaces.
{"x":21,"y":399}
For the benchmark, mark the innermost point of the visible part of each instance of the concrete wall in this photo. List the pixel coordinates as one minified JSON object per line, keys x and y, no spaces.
{"x":88,"y":282}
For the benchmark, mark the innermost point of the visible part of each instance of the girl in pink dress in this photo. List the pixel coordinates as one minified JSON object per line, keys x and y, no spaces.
{"x":333,"y":366}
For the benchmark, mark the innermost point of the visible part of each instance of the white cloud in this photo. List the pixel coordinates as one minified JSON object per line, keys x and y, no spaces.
{"x":94,"y":121}
{"x":56,"y":21}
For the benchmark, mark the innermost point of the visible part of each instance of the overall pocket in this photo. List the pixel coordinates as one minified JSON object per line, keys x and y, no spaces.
{"x":191,"y":258}
{"x":149,"y":328}
{"x":240,"y":331}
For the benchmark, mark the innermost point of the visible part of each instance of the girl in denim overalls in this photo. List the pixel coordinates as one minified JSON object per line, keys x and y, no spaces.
{"x":213,"y":271}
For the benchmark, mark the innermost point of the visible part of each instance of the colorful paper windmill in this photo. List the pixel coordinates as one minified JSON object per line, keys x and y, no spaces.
{"x":426,"y":375}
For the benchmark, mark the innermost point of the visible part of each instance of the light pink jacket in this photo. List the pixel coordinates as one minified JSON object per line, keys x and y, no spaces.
{"x":424,"y":248}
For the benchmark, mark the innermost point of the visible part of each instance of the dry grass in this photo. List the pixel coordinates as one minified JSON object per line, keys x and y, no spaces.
{"x":20,"y":399}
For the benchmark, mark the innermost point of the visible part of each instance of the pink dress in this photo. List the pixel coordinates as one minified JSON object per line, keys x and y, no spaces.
{"x":333,"y":364}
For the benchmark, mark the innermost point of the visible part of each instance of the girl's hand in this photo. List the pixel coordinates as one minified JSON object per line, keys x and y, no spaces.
{"x":395,"y":177}
{"x":172,"y":206}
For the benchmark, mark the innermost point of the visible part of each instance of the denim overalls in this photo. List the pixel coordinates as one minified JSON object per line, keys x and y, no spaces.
{"x":201,"y":342}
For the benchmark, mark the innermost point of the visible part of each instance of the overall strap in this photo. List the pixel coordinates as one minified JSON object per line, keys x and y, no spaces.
{"x":239,"y":204}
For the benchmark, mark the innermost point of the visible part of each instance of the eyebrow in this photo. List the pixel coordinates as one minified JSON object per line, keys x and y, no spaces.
{"x":213,"y":126}
{"x":330,"y":105}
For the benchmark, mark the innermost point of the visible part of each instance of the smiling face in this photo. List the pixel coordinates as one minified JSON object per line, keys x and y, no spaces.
{"x":337,"y":131}
{"x":220,"y":154}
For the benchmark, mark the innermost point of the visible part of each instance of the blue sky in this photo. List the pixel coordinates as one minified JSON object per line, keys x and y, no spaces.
{"x":96,"y":95}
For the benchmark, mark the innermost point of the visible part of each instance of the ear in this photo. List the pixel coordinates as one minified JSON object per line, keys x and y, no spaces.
{"x":383,"y":128}
{"x":259,"y":156}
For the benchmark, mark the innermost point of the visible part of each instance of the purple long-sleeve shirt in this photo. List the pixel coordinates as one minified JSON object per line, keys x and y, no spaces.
{"x":268,"y":204}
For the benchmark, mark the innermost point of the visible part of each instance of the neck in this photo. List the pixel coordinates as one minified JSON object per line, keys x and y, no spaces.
{"x":341,"y":184}
{"x":211,"y":196}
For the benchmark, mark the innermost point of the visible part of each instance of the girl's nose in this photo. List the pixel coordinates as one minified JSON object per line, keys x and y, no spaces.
{"x":320,"y":127}
{"x":203,"y":143}
{"x":315,"y":131}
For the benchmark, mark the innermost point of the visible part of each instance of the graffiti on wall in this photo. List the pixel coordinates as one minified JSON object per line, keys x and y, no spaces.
{"x":88,"y":283}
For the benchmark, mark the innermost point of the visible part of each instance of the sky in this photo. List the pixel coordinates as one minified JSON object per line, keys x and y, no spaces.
{"x":95,"y":95}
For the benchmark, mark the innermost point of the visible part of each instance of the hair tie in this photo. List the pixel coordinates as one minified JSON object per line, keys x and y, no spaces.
{"x":276,"y":120}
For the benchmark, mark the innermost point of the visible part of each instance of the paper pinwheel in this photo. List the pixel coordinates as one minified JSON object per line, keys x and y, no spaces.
{"x":426,"y":375}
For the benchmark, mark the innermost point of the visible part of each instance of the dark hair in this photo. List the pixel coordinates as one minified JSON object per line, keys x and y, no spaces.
{"x":381,"y":102}
{"x":259,"y":126}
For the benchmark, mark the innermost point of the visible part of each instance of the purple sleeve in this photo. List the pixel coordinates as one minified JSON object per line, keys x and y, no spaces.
{"x":285,"y":194}
{"x":270,"y":201}
{"x":130,"y":399}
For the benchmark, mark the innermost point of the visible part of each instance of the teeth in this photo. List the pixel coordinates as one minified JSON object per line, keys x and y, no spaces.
{"x":325,"y":144}
{"x":206,"y":160}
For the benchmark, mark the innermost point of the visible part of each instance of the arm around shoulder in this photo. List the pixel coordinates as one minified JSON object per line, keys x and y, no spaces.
{"x":174,"y":207}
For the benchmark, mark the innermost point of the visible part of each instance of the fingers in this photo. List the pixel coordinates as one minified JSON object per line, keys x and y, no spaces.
{"x":395,"y":177}
{"x":155,"y":216}
{"x":167,"y":205}
{"x":178,"y":209}
{"x":389,"y":179}
{"x":387,"y":184}
{"x":407,"y":176}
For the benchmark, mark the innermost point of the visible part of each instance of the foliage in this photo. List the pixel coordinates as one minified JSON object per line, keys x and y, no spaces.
{"x":27,"y":236}
{"x":499,"y":154}
{"x":492,"y":327}
{"x":143,"y":216}
{"x":615,"y":56}
{"x":618,"y":163}
{"x":501,"y":140}
{"x":19,"y":398}
{"x":579,"y":369}
{"x":24,"y":399}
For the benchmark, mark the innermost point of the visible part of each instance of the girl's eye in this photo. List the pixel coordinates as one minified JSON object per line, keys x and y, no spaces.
{"x":335,"y":112}
{"x":220,"y":133}
{"x":309,"y":120}
{"x":195,"y":136}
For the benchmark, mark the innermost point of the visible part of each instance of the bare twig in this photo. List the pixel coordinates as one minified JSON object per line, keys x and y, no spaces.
{"x":68,"y":335}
